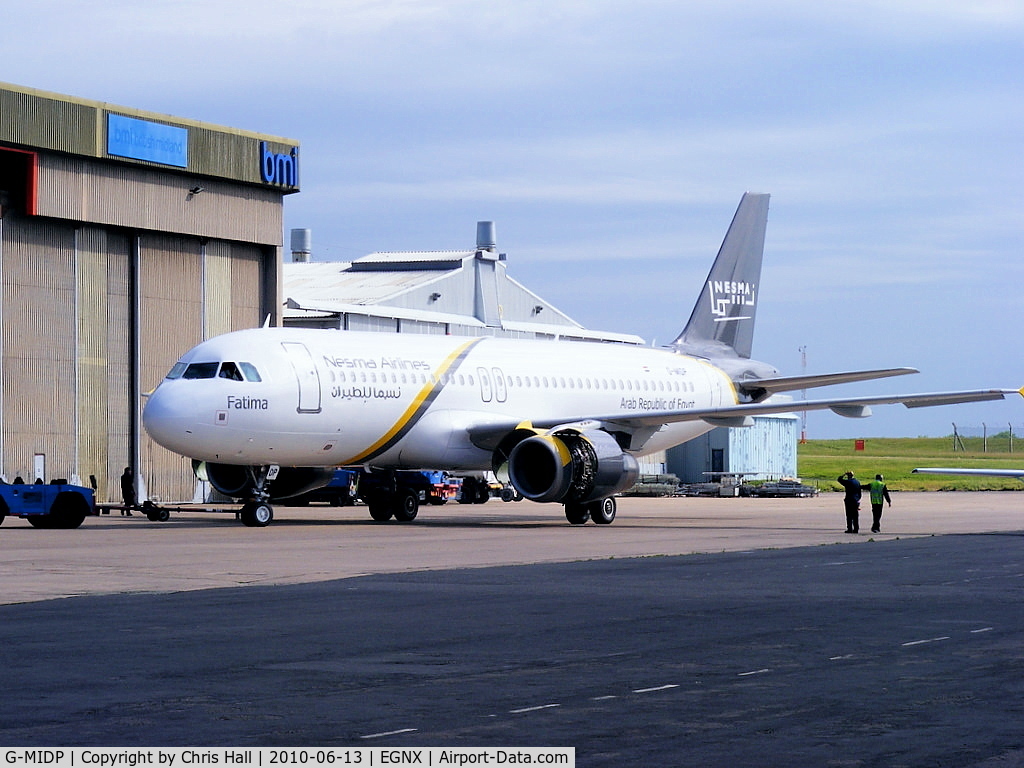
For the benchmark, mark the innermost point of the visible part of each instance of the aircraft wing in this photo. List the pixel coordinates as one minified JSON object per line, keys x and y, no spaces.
{"x":792,"y":383}
{"x":851,"y":407}
{"x":489,"y":434}
{"x":1018,"y":473}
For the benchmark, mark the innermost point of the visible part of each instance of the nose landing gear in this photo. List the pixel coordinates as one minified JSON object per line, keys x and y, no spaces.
{"x":257,"y":512}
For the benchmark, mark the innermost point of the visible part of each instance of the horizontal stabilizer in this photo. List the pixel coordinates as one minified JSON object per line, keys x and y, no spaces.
{"x":792,"y":383}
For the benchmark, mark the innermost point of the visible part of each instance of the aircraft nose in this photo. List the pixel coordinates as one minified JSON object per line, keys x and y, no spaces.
{"x":167,"y":419}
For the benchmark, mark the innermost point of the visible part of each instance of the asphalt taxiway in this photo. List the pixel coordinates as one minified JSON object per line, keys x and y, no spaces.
{"x":689,"y":632}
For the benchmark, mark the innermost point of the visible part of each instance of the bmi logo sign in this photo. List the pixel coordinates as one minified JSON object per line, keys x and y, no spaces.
{"x":279,"y":168}
{"x":730,"y":299}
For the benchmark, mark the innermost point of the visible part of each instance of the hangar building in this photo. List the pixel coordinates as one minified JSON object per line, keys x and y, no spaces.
{"x":126,"y":237}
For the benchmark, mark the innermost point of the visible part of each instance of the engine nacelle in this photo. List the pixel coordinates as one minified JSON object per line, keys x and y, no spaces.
{"x":571,"y":466}
{"x":238,"y":481}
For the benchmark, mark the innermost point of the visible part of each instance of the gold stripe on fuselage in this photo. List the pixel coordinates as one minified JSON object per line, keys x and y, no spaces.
{"x":418,"y":406}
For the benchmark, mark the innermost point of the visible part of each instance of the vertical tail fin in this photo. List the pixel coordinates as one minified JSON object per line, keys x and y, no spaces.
{"x":722,"y":322}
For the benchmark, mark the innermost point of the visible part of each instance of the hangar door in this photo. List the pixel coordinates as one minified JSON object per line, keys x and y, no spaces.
{"x":189,"y":291}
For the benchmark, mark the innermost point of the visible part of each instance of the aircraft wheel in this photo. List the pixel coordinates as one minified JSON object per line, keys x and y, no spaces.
{"x":257,"y":514}
{"x":603,"y":512}
{"x":406,"y":505}
{"x":468,"y":493}
{"x":380,"y":507}
{"x":508,"y":493}
{"x":577,"y":514}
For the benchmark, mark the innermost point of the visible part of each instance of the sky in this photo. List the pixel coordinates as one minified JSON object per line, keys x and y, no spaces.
{"x":610,"y":142}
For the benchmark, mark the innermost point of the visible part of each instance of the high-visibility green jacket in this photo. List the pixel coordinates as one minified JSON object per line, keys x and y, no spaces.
{"x":879,"y":492}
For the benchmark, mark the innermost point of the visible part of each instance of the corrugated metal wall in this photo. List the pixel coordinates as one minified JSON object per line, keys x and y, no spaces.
{"x":142,"y":198}
{"x":119,"y":366}
{"x":767,"y":449}
{"x":171,"y":290}
{"x":39,"y":335}
{"x":66,"y":126}
{"x":248,"y":274}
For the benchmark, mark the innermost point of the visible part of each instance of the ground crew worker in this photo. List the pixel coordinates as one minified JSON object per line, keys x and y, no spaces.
{"x":879,"y":492}
{"x":128,"y":491}
{"x":851,"y":502}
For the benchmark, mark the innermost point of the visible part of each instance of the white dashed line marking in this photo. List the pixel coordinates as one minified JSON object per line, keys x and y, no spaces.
{"x":652,"y":690}
{"x":978,"y":631}
{"x":755,"y":672}
{"x":388,"y":733}
{"x":532,"y":709}
{"x":923,"y":642}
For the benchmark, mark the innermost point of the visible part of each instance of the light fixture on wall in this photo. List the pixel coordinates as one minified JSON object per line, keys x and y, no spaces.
{"x":435,"y":296}
{"x":193,"y":191}
{"x":537,"y":309}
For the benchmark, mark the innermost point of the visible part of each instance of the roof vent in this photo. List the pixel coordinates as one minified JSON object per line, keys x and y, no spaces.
{"x":302,"y":244}
{"x":485,"y":238}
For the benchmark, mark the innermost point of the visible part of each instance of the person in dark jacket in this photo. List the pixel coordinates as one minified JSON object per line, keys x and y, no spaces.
{"x":851,"y":501}
{"x":128,"y":491}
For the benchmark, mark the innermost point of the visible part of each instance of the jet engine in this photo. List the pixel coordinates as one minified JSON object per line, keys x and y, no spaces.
{"x":238,"y":481}
{"x":571,"y":466}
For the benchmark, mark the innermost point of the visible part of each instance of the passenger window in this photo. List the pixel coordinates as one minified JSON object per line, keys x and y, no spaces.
{"x":230,"y":371}
{"x":201,"y":371}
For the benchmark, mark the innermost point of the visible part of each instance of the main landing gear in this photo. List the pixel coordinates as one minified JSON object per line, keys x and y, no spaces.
{"x":601,"y":511}
{"x":402,"y":503}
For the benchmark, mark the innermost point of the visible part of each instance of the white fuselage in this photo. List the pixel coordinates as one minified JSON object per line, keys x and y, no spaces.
{"x":342,"y":398}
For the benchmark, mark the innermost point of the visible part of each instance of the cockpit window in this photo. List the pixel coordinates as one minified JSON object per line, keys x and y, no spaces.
{"x":176,"y":371}
{"x":227,"y":370}
{"x":201,"y":371}
{"x":230,"y":371}
{"x":251,"y":374}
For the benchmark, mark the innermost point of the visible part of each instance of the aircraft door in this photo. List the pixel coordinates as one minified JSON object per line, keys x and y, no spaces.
{"x":500,"y":389}
{"x":486,"y":393}
{"x":306,"y":375}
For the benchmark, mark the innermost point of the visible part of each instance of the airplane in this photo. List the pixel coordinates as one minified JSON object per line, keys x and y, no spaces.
{"x":1017,"y":473}
{"x":268,"y":413}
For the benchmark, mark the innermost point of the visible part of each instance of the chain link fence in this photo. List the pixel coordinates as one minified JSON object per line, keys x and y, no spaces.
{"x":988,"y":438}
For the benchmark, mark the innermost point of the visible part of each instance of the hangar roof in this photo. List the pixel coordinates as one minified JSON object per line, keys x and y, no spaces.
{"x":440,"y":287}
{"x":337,"y":282}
